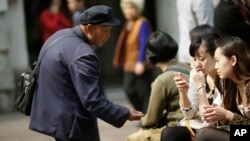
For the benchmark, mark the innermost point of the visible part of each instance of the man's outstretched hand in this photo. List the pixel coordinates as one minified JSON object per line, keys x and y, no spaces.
{"x":135,"y":115}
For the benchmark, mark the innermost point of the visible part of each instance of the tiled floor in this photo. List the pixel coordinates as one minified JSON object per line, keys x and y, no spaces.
{"x":14,"y":127}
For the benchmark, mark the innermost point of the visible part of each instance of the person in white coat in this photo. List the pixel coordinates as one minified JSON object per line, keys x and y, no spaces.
{"x":191,"y":13}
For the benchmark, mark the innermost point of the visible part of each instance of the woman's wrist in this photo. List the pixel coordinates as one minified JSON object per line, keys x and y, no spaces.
{"x":229,"y":115}
{"x":200,"y":87}
{"x":186,"y":108}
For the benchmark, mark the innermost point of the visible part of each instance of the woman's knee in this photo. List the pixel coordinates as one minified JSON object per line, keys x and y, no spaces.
{"x":175,"y":133}
{"x":211,"y":134}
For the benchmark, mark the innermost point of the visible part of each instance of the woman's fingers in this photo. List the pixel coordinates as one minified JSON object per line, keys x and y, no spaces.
{"x":181,"y":84}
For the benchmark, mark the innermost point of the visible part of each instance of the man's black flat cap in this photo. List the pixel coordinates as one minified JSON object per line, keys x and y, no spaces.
{"x":99,"y":14}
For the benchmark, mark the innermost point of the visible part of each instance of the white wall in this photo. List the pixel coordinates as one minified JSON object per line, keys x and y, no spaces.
{"x":12,"y":26}
{"x":166,"y":17}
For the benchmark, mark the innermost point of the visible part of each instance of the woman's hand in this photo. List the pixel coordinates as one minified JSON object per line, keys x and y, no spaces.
{"x":198,"y":77}
{"x":180,"y":82}
{"x":214,"y":113}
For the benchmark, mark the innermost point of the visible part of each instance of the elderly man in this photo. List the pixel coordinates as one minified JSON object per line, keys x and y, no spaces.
{"x":68,"y":98}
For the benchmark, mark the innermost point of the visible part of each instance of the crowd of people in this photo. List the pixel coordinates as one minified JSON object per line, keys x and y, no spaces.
{"x":194,"y":98}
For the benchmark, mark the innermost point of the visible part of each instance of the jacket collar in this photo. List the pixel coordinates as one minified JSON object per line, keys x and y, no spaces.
{"x":171,"y":62}
{"x":77,"y":30}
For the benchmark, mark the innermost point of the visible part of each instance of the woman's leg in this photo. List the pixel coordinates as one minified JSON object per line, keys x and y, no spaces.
{"x":176,"y":133}
{"x":143,"y":89}
{"x":211,"y":134}
{"x":129,"y":82}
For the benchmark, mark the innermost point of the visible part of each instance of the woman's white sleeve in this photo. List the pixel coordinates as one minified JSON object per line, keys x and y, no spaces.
{"x":193,"y":98}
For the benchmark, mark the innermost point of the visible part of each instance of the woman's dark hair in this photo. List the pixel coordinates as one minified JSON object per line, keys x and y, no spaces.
{"x":207,"y":40}
{"x":234,"y":46}
{"x":161,"y":47}
{"x":201,"y":30}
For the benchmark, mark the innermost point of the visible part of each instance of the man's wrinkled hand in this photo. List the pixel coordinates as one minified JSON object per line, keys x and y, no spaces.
{"x":135,"y":115}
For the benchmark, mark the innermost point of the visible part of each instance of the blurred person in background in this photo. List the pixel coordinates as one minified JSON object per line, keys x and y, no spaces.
{"x":130,"y":54}
{"x":53,"y":19}
{"x":191,"y":13}
{"x":76,"y":7}
{"x":232,"y":18}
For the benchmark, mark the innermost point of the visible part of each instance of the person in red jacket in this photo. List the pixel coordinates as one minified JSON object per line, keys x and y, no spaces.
{"x":53,"y":19}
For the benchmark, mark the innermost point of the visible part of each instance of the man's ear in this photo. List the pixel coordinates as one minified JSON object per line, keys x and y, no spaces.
{"x":89,"y":28}
{"x":234,"y":60}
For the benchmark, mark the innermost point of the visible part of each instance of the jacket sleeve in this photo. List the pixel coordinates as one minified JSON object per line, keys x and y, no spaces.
{"x":156,"y":106}
{"x":143,"y":35}
{"x":193,"y":98}
{"x":239,"y":120}
{"x":85,"y":77}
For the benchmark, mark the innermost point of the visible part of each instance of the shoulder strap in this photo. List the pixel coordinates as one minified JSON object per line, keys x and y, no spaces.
{"x":178,"y":70}
{"x":34,"y":71}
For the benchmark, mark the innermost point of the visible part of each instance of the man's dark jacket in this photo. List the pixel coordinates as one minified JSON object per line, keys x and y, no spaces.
{"x":228,"y":21}
{"x":68,"y":98}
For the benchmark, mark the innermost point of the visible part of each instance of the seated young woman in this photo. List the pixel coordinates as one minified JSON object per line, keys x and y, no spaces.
{"x":232,"y":63}
{"x":200,"y":91}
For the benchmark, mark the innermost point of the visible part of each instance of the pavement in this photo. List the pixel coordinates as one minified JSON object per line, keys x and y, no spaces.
{"x":14,"y":126}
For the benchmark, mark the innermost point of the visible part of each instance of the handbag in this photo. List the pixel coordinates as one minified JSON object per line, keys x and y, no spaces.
{"x":27,"y":84}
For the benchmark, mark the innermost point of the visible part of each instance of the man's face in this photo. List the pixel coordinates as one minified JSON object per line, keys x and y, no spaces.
{"x":99,"y":34}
